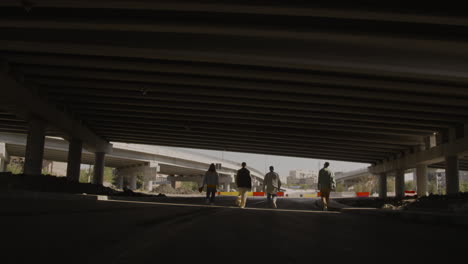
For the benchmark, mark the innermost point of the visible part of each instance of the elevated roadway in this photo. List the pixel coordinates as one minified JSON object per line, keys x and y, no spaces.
{"x":374,"y":83}
{"x":132,"y":159}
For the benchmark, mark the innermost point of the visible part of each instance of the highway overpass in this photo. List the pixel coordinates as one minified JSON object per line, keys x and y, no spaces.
{"x":374,"y":83}
{"x":131,"y":160}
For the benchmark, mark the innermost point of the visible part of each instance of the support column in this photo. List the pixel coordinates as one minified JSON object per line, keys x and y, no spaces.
{"x":383,"y":185}
{"x":133,"y":182}
{"x":34,"y":147}
{"x":120,"y":181}
{"x":149,"y":186}
{"x":228,"y":187}
{"x":4,"y":158}
{"x":2,"y":165}
{"x":400,"y":184}
{"x":98,"y":177}
{"x":74,"y":160}
{"x":421,"y":180}
{"x":451,"y":174}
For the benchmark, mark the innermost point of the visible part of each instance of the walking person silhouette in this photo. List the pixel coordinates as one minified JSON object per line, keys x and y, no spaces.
{"x":326,"y":183}
{"x":244,"y":184}
{"x":211,"y":179}
{"x":271,"y":184}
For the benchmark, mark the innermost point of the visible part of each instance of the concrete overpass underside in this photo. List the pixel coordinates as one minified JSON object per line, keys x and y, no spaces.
{"x":368,"y":82}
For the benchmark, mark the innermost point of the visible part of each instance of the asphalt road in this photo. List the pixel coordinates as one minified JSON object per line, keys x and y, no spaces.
{"x":184,"y":230}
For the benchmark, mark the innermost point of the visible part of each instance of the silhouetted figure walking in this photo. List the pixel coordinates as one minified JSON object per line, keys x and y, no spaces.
{"x":244,"y":185}
{"x":326,"y":183}
{"x":271,"y":185}
{"x":211,"y":179}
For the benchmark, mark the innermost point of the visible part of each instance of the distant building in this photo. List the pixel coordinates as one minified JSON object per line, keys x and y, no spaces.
{"x":297,"y":177}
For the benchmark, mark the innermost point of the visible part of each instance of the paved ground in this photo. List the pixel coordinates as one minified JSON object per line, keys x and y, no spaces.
{"x":183,"y":230}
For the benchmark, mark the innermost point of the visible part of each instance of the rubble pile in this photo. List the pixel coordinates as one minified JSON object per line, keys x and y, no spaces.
{"x":50,"y":183}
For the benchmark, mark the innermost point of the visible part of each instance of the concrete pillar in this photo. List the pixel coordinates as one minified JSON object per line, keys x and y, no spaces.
{"x":74,"y":160}
{"x":3,"y":164}
{"x":400,"y":184}
{"x":451,"y":174}
{"x":228,"y":187}
{"x":173,"y":184}
{"x":34,"y":147}
{"x":120,"y":181}
{"x":4,"y":157}
{"x":133,"y":182}
{"x":421,"y":180}
{"x":98,"y":177}
{"x":383,"y":185}
{"x":149,"y":186}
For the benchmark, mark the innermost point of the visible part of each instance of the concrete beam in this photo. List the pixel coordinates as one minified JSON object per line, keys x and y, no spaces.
{"x":398,"y":63}
{"x":229,"y":30}
{"x":23,"y":98}
{"x":280,"y":10}
{"x":458,"y":147}
{"x":202,"y":86}
{"x":311,"y":77}
{"x":256,"y":150}
{"x":293,"y":116}
{"x":172,"y":120}
{"x":359,"y":135}
{"x":279,"y":109}
{"x":319,"y":95}
{"x":238,"y":142}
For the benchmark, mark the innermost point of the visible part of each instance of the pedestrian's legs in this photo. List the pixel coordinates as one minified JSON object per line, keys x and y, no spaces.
{"x":207,"y":195}
{"x":213,"y":193}
{"x":325,"y":194}
{"x":274,"y":200}
{"x":243,"y":197}
{"x":239,"y":197}
{"x":269,"y":199}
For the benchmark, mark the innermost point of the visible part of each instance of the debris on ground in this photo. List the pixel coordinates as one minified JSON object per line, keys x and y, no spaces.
{"x":455,"y":203}
{"x":50,"y":183}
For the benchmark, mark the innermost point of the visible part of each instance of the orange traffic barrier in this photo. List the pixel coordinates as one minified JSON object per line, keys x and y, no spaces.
{"x":280,"y":193}
{"x":258,"y":194}
{"x":362,"y":194}
{"x":318,"y":194}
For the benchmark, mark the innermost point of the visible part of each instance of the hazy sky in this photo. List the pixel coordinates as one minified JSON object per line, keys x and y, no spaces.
{"x":282,"y":164}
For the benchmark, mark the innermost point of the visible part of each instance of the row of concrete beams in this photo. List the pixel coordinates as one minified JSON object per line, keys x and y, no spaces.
{"x":290,"y":8}
{"x":27,"y":105}
{"x":450,"y":150}
{"x":383,"y":126}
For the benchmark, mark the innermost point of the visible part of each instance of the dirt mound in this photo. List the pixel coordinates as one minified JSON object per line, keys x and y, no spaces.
{"x":49,"y":183}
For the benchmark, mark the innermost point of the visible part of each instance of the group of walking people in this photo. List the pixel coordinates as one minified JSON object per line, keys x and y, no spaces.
{"x":271,"y":185}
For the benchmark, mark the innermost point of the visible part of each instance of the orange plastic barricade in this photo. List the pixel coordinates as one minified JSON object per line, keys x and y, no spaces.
{"x":318,"y":194}
{"x":362,"y":194}
{"x":410,"y":191}
{"x":280,"y":193}
{"x":258,"y":194}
